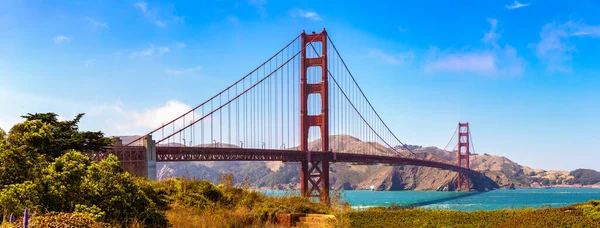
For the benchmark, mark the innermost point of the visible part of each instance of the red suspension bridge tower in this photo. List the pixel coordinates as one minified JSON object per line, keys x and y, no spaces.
{"x":463,"y":154}
{"x":314,"y":173}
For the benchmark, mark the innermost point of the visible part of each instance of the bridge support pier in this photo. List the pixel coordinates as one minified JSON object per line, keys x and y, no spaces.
{"x":314,"y":177}
{"x":150,"y":146}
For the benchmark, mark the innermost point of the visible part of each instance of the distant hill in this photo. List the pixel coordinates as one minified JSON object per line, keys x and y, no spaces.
{"x":499,"y":171}
{"x":128,"y":138}
{"x":585,"y":176}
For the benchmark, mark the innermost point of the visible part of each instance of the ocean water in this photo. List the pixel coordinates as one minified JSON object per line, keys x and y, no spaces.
{"x":492,"y":200}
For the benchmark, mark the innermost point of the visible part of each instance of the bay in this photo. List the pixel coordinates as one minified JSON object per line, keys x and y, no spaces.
{"x":492,"y":200}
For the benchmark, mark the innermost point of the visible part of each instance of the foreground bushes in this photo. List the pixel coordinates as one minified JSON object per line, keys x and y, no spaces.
{"x":72,"y":183}
{"x":580,"y":215}
{"x":227,"y":206}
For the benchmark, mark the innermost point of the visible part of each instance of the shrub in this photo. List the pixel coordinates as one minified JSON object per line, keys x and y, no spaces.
{"x":16,"y":197}
{"x":66,"y":220}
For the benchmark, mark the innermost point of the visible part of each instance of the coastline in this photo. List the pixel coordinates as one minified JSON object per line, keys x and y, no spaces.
{"x":568,"y":186}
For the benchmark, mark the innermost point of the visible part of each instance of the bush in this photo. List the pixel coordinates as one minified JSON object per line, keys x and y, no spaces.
{"x":16,"y":197}
{"x":73,"y":184}
{"x":193,"y":193}
{"x":66,"y":220}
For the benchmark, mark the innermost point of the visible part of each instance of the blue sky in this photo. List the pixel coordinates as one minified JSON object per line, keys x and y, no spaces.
{"x":524,"y":74}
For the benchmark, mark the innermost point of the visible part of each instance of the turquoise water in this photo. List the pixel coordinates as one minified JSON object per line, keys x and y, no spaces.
{"x":493,"y":200}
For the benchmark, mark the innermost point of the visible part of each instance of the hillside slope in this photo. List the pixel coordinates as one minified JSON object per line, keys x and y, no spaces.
{"x":499,"y":171}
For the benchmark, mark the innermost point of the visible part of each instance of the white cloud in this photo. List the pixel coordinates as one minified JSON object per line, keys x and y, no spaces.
{"x":402,"y":29}
{"x":516,"y":5}
{"x":150,"y":51}
{"x":89,"y":62}
{"x":155,"y":117}
{"x":61,"y":39}
{"x":162,"y":50}
{"x":497,"y":62}
{"x":143,"y":6}
{"x":95,"y":23}
{"x":260,"y":6}
{"x":394,"y":59}
{"x":180,"y":45}
{"x":142,"y":53}
{"x":153,"y":15}
{"x":311,"y":15}
{"x":119,"y":120}
{"x":491,"y":36}
{"x":183,"y":71}
{"x":555,"y":48}
{"x":492,"y":60}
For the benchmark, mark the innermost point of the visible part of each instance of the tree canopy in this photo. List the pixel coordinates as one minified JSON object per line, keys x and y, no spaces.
{"x":42,"y":169}
{"x":48,"y":135}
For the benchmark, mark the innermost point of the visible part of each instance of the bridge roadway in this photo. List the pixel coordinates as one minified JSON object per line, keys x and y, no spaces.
{"x":172,"y":154}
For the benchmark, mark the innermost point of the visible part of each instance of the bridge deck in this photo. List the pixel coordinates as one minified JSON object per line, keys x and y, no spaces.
{"x":165,"y":154}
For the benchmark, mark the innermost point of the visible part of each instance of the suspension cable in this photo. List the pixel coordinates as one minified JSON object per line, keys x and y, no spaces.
{"x":218,"y":94}
{"x":354,"y":107}
{"x":363,"y":94}
{"x":242,"y":93}
{"x":453,"y":134}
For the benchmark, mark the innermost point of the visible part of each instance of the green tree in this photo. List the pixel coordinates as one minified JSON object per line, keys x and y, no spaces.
{"x":18,"y":165}
{"x":62,"y":182}
{"x":2,"y":138}
{"x":54,"y":137}
{"x":115,"y":193}
{"x":16,"y":197}
{"x":35,"y":134}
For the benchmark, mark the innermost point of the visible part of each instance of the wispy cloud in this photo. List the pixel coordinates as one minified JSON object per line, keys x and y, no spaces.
{"x":180,"y":44}
{"x":96,"y":24}
{"x":491,"y":60}
{"x":496,"y":63}
{"x":394,"y":59}
{"x":150,"y":51}
{"x":491,"y":36}
{"x":402,"y":29}
{"x":311,"y":15}
{"x":162,"y":50}
{"x":555,"y":49}
{"x":61,"y":39}
{"x":516,"y":5}
{"x":143,"y":6}
{"x":183,"y":70}
{"x":153,"y":15}
{"x":260,"y":6}
{"x":89,"y":62}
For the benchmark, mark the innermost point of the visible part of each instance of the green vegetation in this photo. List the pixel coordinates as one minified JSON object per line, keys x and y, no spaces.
{"x":42,"y":168}
{"x":579,"y":215}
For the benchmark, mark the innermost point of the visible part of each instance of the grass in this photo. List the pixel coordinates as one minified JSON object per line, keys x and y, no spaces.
{"x":379,"y":217}
{"x":193,"y":203}
{"x":579,"y":215}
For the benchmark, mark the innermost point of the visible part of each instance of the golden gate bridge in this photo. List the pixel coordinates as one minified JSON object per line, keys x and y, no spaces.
{"x":297,"y":106}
